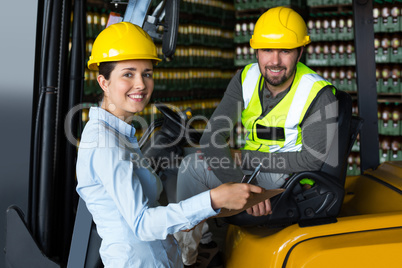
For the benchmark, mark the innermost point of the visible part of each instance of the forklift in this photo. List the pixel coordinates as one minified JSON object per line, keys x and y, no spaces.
{"x":350,"y":221}
{"x":341,"y":221}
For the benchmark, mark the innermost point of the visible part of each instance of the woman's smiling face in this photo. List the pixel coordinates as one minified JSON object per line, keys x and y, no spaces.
{"x":128,"y":89}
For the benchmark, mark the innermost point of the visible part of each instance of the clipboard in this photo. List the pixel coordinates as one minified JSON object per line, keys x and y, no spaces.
{"x":254,"y":200}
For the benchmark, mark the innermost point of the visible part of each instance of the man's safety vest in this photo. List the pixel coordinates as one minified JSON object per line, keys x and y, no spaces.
{"x":279,"y":130}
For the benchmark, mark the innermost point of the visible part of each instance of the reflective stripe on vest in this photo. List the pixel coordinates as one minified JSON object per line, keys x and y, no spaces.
{"x":252,"y":76}
{"x":286,"y":115}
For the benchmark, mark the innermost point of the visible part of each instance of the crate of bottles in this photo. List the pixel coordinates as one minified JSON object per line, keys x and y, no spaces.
{"x":384,"y":155}
{"x":388,"y":127}
{"x":244,"y":29}
{"x":388,"y":48}
{"x":328,"y":2}
{"x":388,"y":85}
{"x":396,"y":56}
{"x":244,"y":55}
{"x":387,"y":16}
{"x":390,"y":22}
{"x":388,"y":79}
{"x":317,"y":60}
{"x":353,"y":164}
{"x":390,"y":148}
{"x":389,"y":119}
{"x":312,"y":3}
{"x":328,"y":27}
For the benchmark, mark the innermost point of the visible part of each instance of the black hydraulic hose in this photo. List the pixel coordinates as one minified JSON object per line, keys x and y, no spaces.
{"x":34,"y":181}
{"x":76,"y":87}
{"x":33,"y":189}
{"x":62,"y":211}
{"x":36,"y":108}
{"x":47,"y":227}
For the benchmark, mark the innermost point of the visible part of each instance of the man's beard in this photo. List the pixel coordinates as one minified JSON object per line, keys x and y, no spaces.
{"x":277,"y":81}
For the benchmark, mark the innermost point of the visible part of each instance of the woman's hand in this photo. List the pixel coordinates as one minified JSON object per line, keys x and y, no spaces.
{"x":233,"y":195}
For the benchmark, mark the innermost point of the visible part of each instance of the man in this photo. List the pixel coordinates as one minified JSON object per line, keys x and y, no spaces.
{"x":281,"y":103}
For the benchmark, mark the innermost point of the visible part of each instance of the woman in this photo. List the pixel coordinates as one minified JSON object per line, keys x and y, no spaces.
{"x":119,"y":190}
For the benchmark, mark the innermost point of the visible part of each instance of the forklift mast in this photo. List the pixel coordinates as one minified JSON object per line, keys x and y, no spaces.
{"x":42,"y":237}
{"x":366,"y":83}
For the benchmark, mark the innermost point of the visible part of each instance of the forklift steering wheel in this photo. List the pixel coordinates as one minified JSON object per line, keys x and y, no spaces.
{"x":170,"y":114}
{"x":178,"y":121}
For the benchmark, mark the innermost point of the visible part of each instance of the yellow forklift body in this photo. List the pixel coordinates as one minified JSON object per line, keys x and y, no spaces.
{"x":368,"y":232}
{"x":376,"y":248}
{"x":377,"y":191}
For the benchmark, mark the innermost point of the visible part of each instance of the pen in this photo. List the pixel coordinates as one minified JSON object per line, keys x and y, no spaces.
{"x":255,"y":174}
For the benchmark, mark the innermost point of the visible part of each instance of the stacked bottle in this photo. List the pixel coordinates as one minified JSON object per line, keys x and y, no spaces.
{"x":328,"y":2}
{"x":203,"y":60}
{"x":337,"y":53}
{"x":388,"y":47}
{"x":388,"y":78}
{"x":390,"y":130}
{"x":389,"y":119}
{"x":332,"y":26}
{"x":193,"y":34}
{"x":197,"y":56}
{"x":342,"y":77}
{"x":388,"y":34}
{"x":190,"y":79}
{"x":387,"y":16}
{"x":390,"y":148}
{"x":214,"y":8}
{"x":387,"y":43}
{"x":353,"y":164}
{"x":332,"y":53}
{"x":204,"y":53}
{"x":245,"y":5}
{"x":354,"y":156}
{"x":244,"y":29}
{"x":96,"y":22}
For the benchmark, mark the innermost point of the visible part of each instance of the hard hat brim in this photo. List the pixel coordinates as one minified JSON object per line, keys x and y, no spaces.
{"x":93,"y":65}
{"x":278,"y":45}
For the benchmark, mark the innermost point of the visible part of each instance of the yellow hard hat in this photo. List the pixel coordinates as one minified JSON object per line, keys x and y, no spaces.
{"x":122,"y":41}
{"x":280,"y":28}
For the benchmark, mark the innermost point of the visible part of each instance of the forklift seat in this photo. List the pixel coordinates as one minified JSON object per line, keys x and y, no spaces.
{"x":321,"y":203}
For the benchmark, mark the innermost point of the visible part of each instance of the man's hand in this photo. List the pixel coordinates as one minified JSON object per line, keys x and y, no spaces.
{"x":261,"y":209}
{"x":233,"y":195}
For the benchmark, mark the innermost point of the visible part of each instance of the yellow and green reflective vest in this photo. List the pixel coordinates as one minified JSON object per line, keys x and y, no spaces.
{"x":279,"y":130}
